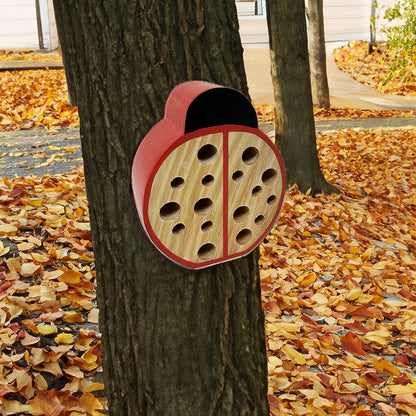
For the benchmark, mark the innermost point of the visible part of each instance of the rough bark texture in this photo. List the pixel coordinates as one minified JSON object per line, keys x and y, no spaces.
{"x":295,"y":125}
{"x":317,"y":54}
{"x":175,"y":341}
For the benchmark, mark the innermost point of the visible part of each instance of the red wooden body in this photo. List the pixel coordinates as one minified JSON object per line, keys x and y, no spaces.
{"x":167,"y":171}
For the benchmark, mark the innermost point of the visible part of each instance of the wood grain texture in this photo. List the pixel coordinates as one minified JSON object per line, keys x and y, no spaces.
{"x":214,"y":196}
{"x":192,"y":198}
{"x":248,"y":193}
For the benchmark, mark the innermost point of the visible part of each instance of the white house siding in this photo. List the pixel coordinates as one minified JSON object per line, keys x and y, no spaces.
{"x":344,"y":20}
{"x":18,"y":26}
{"x":53,"y":33}
{"x":347,"y":20}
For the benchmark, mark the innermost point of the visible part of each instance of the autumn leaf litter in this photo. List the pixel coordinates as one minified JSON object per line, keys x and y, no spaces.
{"x":48,"y":341}
{"x":337,"y":273}
{"x":338,"y":277}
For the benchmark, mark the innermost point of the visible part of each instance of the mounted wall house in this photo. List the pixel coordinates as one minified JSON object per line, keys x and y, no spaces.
{"x":251,"y":9}
{"x":27,"y":25}
{"x":30,"y":24}
{"x":345,"y":20}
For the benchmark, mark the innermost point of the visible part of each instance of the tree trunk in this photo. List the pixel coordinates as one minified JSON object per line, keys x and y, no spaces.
{"x":175,"y":341}
{"x":294,"y":123}
{"x":317,"y":53}
{"x":372,"y":46}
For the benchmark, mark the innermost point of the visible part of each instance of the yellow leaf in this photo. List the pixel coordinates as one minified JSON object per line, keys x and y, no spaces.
{"x":401,"y":389}
{"x":86,"y":385}
{"x":25,"y":246}
{"x":3,"y":250}
{"x":308,"y":279}
{"x":382,"y":336}
{"x":93,"y":316}
{"x":90,"y":404}
{"x":411,"y":411}
{"x":35,"y":202}
{"x":63,"y":338}
{"x":319,"y":298}
{"x":309,"y":393}
{"x":40,"y":258}
{"x":70,"y":277}
{"x":84,"y":226}
{"x":376,"y":396}
{"x":287,"y":330}
{"x":8,"y":229}
{"x":47,"y":329}
{"x":74,"y":371}
{"x":293,"y":354}
{"x":72,"y":316}
{"x":351,"y":388}
{"x":40,"y":382}
{"x":382,"y":365}
{"x":34,"y":240}
{"x":322,"y":402}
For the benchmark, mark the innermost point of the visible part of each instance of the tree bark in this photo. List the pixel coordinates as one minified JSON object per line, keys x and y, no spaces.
{"x":294,"y":123}
{"x":175,"y":341}
{"x":317,"y":54}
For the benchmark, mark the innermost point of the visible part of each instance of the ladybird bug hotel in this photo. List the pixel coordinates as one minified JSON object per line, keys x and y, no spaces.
{"x":207,"y":183}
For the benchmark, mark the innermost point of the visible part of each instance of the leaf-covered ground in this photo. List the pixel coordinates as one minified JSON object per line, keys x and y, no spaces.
{"x":49,"y":344}
{"x":39,"y":98}
{"x":339,"y":283}
{"x":265,"y":113}
{"x":371,"y":68}
{"x":338,"y":276}
{"x":29,"y":56}
{"x":36,"y":98}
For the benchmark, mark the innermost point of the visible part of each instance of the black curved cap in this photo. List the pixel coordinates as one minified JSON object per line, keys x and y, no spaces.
{"x":218,"y":107}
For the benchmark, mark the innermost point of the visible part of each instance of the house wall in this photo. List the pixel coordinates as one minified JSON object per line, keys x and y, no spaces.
{"x":18,"y":26}
{"x":347,"y":20}
{"x":52,"y":26}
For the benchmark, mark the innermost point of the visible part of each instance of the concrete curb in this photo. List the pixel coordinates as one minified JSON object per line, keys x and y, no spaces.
{"x":26,"y":65}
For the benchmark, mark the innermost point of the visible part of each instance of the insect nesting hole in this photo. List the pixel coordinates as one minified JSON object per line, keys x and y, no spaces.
{"x":206,"y":251}
{"x":207,"y":153}
{"x":170,"y":211}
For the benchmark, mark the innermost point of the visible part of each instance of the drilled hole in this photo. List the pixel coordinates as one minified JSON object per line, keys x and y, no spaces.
{"x":207,"y":153}
{"x":170,"y":211}
{"x":206,"y":226}
{"x":259,"y":219}
{"x":203,"y":206}
{"x":178,"y":229}
{"x":250,"y":155}
{"x":244,"y":236}
{"x":241,"y":214}
{"x":269,"y":176}
{"x":206,"y":251}
{"x":256,"y":191}
{"x":271,"y":199}
{"x":237,"y":175}
{"x":207,"y":180}
{"x":177,"y":183}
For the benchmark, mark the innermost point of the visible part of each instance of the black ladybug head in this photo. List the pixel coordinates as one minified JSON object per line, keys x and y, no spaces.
{"x":218,"y":107}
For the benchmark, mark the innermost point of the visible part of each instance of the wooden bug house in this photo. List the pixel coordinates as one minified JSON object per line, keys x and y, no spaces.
{"x":208,"y":184}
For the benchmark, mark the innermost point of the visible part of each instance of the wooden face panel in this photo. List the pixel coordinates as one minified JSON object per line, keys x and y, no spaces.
{"x":214,"y":197}
{"x":186,"y":200}
{"x":254,"y":189}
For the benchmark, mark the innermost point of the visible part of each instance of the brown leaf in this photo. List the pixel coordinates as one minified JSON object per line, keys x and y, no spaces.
{"x":352,"y":344}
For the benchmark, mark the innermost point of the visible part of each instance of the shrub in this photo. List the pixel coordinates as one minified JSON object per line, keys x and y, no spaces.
{"x":400,"y":32}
